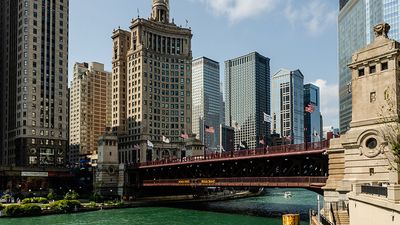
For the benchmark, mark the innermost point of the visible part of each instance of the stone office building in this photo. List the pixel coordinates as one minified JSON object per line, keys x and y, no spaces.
{"x":90,"y":107}
{"x":34,"y":82}
{"x":152,"y":86}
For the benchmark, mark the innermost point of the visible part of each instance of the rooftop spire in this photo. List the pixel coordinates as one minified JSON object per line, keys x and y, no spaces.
{"x":160,"y":11}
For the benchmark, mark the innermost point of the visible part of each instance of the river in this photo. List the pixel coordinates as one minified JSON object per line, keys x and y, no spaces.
{"x":251,"y":211}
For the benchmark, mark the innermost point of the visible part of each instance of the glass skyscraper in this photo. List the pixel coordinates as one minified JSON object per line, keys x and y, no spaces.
{"x":288,"y":105}
{"x":206,"y":100}
{"x":356,"y":21}
{"x":247,"y":97}
{"x":312,"y":119}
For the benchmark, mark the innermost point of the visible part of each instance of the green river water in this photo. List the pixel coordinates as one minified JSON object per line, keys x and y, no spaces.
{"x":251,"y":211}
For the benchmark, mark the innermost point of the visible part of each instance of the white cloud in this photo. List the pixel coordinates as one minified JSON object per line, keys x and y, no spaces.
{"x":315,"y":15}
{"x":237,"y":10}
{"x":329,"y":101}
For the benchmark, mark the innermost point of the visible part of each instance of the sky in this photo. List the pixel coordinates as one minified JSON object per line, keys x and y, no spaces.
{"x":294,"y":34}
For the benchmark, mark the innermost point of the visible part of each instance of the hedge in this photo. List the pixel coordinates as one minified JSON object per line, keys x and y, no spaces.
{"x":65,"y":205}
{"x":34,"y":200}
{"x":23,"y":210}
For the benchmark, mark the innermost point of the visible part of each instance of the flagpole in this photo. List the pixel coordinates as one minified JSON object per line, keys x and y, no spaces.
{"x":220,"y":144}
{"x":204,"y":134}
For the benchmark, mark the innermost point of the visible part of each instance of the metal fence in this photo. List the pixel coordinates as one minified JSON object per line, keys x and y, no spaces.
{"x":284,"y":149}
{"x":325,"y":221}
{"x":374,"y":190}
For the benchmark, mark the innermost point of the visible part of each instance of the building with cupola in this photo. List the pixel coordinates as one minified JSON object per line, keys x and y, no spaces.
{"x":152,"y":86}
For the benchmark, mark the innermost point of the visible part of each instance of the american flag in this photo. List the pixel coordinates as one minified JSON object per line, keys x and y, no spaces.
{"x":209,"y":129}
{"x":288,"y":138}
{"x":184,"y":136}
{"x":262,"y":141}
{"x":310,"y":108}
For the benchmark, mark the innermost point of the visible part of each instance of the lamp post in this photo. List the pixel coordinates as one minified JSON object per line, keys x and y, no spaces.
{"x":318,"y":211}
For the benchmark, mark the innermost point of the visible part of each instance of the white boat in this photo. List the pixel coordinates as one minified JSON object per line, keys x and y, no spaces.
{"x":288,"y":194}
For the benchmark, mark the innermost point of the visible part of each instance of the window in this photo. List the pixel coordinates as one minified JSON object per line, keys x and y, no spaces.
{"x":361,"y":72}
{"x":384,"y":66}
{"x":372,"y":69}
{"x":372,"y":97}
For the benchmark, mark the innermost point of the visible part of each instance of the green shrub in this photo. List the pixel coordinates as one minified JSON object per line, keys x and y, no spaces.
{"x":92,"y":205}
{"x":96,"y":198}
{"x":34,"y":200}
{"x":13,"y":210}
{"x":65,"y":205}
{"x":6,"y":196}
{"x":119,"y":204}
{"x":51,"y":196}
{"x":23,"y":210}
{"x":71,"y":195}
{"x":1,"y":207}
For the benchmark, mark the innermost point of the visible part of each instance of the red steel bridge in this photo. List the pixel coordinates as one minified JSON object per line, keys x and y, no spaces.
{"x":301,"y":165}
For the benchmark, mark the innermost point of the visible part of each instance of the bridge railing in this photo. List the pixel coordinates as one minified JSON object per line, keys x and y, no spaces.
{"x":242,"y":153}
{"x":258,"y":181}
{"x":374,"y":190}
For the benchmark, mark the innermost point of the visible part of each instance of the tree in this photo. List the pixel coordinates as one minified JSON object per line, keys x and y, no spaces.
{"x":71,"y":195}
{"x":390,"y":120}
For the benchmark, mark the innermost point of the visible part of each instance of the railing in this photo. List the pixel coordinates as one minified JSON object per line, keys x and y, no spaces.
{"x":374,"y":190}
{"x":297,"y":148}
{"x":256,"y":181}
{"x":325,"y":221}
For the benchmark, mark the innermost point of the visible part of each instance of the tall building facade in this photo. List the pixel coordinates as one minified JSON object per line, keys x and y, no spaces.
{"x":2,"y":79}
{"x":34,"y":82}
{"x":152,"y":86}
{"x":90,"y":103}
{"x":312,"y":116}
{"x":355,"y":23}
{"x":206,"y":101}
{"x":247,"y":98}
{"x":288,"y":105}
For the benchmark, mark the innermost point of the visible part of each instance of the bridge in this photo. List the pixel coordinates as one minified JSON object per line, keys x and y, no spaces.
{"x":300,"y":165}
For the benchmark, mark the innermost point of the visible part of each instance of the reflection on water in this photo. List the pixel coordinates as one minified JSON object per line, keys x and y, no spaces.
{"x":272,"y":203}
{"x":240,"y":212}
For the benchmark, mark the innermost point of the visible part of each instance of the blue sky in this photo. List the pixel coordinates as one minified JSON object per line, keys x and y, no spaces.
{"x":294,"y":34}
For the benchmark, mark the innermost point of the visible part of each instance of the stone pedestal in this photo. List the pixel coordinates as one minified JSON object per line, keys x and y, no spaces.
{"x":394,"y":193}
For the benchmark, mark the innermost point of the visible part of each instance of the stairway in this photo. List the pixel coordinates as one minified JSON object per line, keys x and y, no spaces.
{"x":343,"y":218}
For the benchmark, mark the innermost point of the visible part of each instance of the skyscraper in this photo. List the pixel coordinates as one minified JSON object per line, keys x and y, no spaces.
{"x":2,"y":80}
{"x":34,"y":37}
{"x":90,"y":106}
{"x":356,"y":20}
{"x":152,"y":86}
{"x":288,"y":105}
{"x":312,"y":114}
{"x":206,"y":100}
{"x":247,"y":98}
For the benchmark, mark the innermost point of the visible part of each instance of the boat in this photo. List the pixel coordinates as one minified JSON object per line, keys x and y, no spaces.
{"x":288,"y":194}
